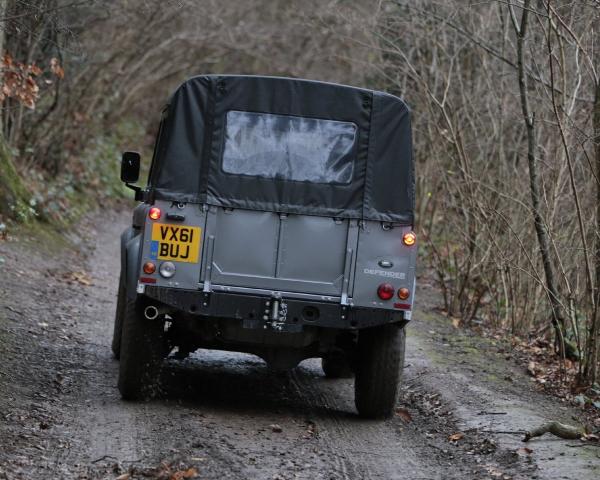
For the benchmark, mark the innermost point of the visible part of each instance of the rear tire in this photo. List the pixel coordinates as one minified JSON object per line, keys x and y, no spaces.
{"x":120,"y":312}
{"x":142,"y":352}
{"x":335,"y":365}
{"x":379,"y":370}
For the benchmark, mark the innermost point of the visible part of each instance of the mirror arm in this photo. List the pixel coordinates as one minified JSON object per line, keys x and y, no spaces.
{"x":139,"y":193}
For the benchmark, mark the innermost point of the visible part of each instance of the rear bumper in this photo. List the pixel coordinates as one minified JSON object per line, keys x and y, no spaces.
{"x":258,"y":311}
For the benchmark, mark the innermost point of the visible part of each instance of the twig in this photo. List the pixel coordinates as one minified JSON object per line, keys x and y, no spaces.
{"x":104,"y":457}
{"x":14,"y":310}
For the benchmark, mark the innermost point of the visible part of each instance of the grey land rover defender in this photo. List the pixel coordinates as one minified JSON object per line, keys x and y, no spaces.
{"x":278,"y":221}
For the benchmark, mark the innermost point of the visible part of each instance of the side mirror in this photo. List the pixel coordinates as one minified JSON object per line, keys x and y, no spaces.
{"x":130,"y":167}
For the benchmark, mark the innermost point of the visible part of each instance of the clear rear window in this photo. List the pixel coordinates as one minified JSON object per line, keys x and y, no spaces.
{"x":289,"y":148}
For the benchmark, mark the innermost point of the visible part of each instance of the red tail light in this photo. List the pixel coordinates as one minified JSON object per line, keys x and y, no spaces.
{"x":154,"y":213}
{"x":385,"y":291}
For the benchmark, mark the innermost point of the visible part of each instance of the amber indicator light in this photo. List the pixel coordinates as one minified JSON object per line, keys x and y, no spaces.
{"x":149,"y":268}
{"x":409,"y":239}
{"x":403,"y":293}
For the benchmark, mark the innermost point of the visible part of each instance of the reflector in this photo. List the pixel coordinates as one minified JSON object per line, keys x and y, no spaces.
{"x":167,"y":269}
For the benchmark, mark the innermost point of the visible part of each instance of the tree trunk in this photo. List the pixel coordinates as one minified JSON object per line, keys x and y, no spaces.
{"x":591,"y":365}
{"x":2,"y":33}
{"x":534,"y":181}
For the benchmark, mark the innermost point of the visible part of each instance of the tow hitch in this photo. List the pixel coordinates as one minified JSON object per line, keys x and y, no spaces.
{"x":275,"y":314}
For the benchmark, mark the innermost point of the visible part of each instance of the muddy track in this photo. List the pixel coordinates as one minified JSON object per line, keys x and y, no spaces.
{"x":224,"y":414}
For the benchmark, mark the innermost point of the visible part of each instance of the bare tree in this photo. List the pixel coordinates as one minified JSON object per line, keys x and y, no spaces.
{"x":491,"y":84}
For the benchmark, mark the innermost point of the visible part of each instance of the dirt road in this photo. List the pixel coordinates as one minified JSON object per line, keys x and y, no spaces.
{"x":225,"y":415}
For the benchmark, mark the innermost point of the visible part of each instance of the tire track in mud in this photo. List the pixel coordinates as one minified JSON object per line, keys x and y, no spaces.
{"x":138,"y":434}
{"x":332,"y":435}
{"x":365,"y":449}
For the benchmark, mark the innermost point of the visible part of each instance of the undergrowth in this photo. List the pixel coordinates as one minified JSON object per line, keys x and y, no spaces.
{"x":89,"y":179}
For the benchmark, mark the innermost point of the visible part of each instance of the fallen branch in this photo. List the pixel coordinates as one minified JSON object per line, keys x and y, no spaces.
{"x":504,"y":432}
{"x":556,"y":428}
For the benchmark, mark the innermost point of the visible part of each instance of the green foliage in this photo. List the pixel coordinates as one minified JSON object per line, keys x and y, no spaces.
{"x":92,"y":177}
{"x":15,"y":200}
{"x":101,"y":160}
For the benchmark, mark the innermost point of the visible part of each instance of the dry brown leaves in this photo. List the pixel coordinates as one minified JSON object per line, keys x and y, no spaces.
{"x":18,"y":80}
{"x":557,"y":376}
{"x":311,"y":430}
{"x":82,"y":278}
{"x":532,"y":369}
{"x":164,"y":472}
{"x":56,"y":69}
{"x":181,"y":474}
{"x":404,"y":414}
{"x":544,"y":366}
{"x":494,"y":472}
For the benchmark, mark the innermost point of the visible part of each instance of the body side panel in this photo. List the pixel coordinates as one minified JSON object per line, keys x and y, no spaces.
{"x":186,"y":216}
{"x":383,"y":258}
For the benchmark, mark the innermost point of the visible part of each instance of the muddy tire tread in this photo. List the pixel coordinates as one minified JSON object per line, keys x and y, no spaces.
{"x":118,"y":324}
{"x":379,"y":370}
{"x":142,"y":348}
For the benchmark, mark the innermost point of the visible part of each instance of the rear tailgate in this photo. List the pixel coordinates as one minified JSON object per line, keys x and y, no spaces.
{"x":279,"y":252}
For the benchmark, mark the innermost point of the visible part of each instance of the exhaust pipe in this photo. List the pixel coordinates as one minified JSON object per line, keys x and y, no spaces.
{"x":151,"y":312}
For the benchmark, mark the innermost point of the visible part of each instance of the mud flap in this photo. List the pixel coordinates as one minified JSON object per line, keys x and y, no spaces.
{"x":132,"y":256}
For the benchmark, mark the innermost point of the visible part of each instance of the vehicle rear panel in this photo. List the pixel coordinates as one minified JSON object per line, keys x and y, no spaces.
{"x":298,"y":256}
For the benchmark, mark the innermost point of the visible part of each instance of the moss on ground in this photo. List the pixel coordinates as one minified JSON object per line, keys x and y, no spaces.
{"x":48,"y":238}
{"x":462,"y":346}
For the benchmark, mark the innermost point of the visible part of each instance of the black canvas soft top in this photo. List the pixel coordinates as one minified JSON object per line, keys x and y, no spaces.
{"x":225,"y":139}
